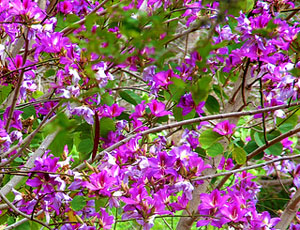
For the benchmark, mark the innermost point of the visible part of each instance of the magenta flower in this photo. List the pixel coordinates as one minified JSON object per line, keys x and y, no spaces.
{"x":187,"y":104}
{"x":105,"y":220}
{"x":139,"y":110}
{"x":100,"y":182}
{"x":113,"y":110}
{"x":65,"y":7}
{"x":158,"y":108}
{"x":224,"y":128}
{"x":226,"y":164}
{"x":233,"y":212}
{"x":163,"y":78}
{"x":16,"y":119}
{"x":213,"y":200}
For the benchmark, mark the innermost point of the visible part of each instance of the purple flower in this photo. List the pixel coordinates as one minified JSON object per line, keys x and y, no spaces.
{"x":86,"y":112}
{"x":161,"y":165}
{"x":233,"y":212}
{"x":113,"y":110}
{"x":224,"y":128}
{"x":105,"y":220}
{"x":163,"y":78}
{"x":226,"y":164}
{"x":158,"y":108}
{"x":47,"y":181}
{"x":212,"y":201}
{"x":100,"y":182}
{"x":16,"y":118}
{"x":65,"y":7}
{"x":187,"y":104}
{"x":197,"y":165}
{"x":139,"y":110}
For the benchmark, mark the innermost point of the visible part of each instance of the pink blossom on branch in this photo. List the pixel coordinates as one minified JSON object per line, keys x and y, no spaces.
{"x":224,"y":128}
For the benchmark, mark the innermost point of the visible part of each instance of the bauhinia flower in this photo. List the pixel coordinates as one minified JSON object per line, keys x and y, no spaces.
{"x":158,"y":108}
{"x":224,"y":128}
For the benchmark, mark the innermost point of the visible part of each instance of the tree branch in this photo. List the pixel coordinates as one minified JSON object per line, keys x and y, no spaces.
{"x":261,"y":149}
{"x":22,"y":213}
{"x":289,"y":212}
{"x":245,"y":168}
{"x":186,"y":122}
{"x":29,"y":164}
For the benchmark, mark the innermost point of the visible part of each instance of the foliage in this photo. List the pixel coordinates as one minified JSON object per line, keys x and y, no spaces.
{"x":115,"y":114}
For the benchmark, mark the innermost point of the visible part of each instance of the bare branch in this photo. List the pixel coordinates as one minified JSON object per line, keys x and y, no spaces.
{"x":186,"y":122}
{"x":29,"y":164}
{"x":289,"y":212}
{"x":230,"y":172}
{"x":22,"y":213}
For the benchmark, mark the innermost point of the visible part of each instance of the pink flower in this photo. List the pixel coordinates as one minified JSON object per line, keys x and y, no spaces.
{"x":224,"y":128}
{"x":158,"y":108}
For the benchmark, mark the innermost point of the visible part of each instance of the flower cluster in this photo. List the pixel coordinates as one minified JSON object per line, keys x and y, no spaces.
{"x":106,"y":79}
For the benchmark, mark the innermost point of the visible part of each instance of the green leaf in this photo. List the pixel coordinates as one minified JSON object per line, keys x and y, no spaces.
{"x":212,"y":104}
{"x":177,"y":88}
{"x":28,"y":112}
{"x":177,"y":112}
{"x":106,"y":99}
{"x":89,"y":21}
{"x":85,"y":146}
{"x":24,"y":226}
{"x":49,"y":73}
{"x":248,"y":5}
{"x":162,"y":119}
{"x":275,"y":149}
{"x":130,"y":97}
{"x":200,"y":151}
{"x":106,"y":125}
{"x":215,"y":150}
{"x":201,"y":89}
{"x":78,"y":203}
{"x":295,"y":72}
{"x":259,"y":139}
{"x":239,"y":155}
{"x":208,"y":138}
{"x":4,"y":92}
{"x":288,"y":124}
{"x":100,"y":203}
{"x":62,"y":138}
{"x":34,"y":225}
{"x":85,"y":130}
{"x":36,"y":94}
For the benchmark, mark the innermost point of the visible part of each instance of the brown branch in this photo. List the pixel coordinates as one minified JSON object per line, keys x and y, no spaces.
{"x":30,"y":163}
{"x":186,"y":122}
{"x":289,"y":212}
{"x":70,"y":29}
{"x":22,"y":213}
{"x":259,"y":150}
{"x":29,"y":138}
{"x":268,"y":183}
{"x":233,"y":171}
{"x":17,"y":90}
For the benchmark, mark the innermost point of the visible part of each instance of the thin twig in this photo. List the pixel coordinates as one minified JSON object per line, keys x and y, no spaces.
{"x":263,"y":115}
{"x":259,"y":150}
{"x":29,"y":138}
{"x":245,"y":168}
{"x":22,"y":213}
{"x":70,"y":29}
{"x":30,"y":163}
{"x":17,"y":90}
{"x":185,"y":122}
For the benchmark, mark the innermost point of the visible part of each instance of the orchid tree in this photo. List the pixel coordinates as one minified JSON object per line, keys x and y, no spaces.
{"x":149,"y":114}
